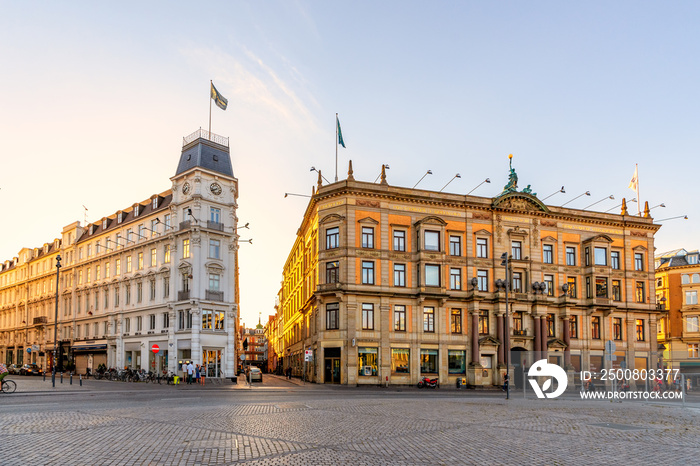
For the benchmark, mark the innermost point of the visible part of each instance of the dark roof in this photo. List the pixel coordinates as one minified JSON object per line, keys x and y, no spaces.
{"x":205,"y":154}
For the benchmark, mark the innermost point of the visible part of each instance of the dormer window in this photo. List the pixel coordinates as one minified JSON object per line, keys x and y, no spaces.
{"x":92,"y":229}
{"x":155,"y":202}
{"x":104,"y":224}
{"x":136,"y":210}
{"x":119,"y":217}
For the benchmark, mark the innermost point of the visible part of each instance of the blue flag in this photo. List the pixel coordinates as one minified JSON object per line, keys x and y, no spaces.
{"x":340,"y":133}
{"x":219,"y":100}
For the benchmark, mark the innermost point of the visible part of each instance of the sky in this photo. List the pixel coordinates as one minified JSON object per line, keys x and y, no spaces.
{"x":95,"y":98}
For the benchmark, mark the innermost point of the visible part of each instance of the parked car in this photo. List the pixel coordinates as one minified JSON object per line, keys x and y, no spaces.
{"x":13,"y":369}
{"x":30,"y":369}
{"x":254,"y":374}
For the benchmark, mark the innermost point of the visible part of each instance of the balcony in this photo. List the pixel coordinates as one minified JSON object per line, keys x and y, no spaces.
{"x":40,"y":320}
{"x":212,"y":295}
{"x":519,"y":333}
{"x":185,"y":225}
{"x":215,"y":225}
{"x":183,"y":295}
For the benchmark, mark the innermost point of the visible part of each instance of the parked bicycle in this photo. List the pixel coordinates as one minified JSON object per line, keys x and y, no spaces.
{"x":8,"y":386}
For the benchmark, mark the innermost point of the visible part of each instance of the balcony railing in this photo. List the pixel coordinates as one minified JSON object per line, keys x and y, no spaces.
{"x":212,"y":295}
{"x":183,"y":295}
{"x":519,"y":333}
{"x":215,"y":225}
{"x":185,"y":225}
{"x":204,"y":134}
{"x":40,"y":320}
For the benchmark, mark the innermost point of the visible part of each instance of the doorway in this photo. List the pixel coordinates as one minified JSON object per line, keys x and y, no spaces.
{"x":212,"y":363}
{"x":331,"y":373}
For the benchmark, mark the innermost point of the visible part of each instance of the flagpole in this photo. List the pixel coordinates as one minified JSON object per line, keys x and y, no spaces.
{"x":639,"y":200}
{"x":211,"y":83}
{"x":336,"y":147}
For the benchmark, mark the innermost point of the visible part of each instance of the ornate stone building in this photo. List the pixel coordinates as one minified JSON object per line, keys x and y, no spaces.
{"x":160,"y":272}
{"x":388,"y":284}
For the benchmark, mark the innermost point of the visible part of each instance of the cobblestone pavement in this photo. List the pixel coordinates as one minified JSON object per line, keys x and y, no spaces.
{"x":316,"y":425}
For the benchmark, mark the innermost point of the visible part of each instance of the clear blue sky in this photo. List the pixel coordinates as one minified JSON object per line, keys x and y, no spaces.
{"x":95,"y":98}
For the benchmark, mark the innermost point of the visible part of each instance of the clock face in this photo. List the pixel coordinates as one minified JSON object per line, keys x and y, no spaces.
{"x":215,"y":188}
{"x":185,"y":188}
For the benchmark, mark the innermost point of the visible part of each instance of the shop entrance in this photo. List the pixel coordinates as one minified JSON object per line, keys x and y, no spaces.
{"x":212,"y":363}
{"x":331,"y":373}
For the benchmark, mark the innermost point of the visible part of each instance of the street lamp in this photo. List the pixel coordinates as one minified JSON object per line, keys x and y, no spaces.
{"x":555,"y":192}
{"x":429,"y":172}
{"x":485,"y":181}
{"x":587,"y":193}
{"x":55,"y":323}
{"x":506,"y":285}
{"x":660,"y":205}
{"x":313,"y":169}
{"x":597,"y":202}
{"x":620,"y":205}
{"x":386,"y":165}
{"x":456,"y":176}
{"x":292,"y":194}
{"x":685,"y":217}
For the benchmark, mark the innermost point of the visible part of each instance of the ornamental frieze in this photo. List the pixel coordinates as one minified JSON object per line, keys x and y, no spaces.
{"x":482,"y":263}
{"x":395,"y":255}
{"x":363,"y":253}
{"x":572,"y":270}
{"x":548,"y":223}
{"x":550,"y":268}
{"x":481,"y":216}
{"x":367,"y":203}
{"x":638,"y":233}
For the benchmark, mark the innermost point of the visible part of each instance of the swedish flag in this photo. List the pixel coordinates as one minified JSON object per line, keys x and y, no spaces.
{"x":220,"y":100}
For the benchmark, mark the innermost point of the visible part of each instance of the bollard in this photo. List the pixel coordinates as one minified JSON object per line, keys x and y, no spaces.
{"x":80,"y":377}
{"x":71,"y":378}
{"x":44,"y":376}
{"x":61,"y":377}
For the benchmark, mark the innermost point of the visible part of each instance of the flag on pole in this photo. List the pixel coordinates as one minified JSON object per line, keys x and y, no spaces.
{"x":220,"y":100}
{"x":340,"y":134}
{"x":635,"y":181}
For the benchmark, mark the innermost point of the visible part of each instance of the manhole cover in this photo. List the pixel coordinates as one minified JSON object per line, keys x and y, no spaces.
{"x":617,"y":426}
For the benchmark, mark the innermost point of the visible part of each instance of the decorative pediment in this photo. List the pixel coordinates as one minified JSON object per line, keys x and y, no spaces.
{"x":519,"y":201}
{"x":639,"y":248}
{"x":488,"y":340}
{"x":331,"y":218}
{"x":214,"y":266}
{"x":369,"y":220}
{"x":517,"y":231}
{"x":549,"y":239}
{"x":431,"y":220}
{"x":556,"y":343}
{"x":599,"y":238}
{"x":482,"y":232}
{"x":164,"y":270}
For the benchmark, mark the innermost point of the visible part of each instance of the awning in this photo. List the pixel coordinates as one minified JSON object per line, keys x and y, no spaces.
{"x":90,"y":347}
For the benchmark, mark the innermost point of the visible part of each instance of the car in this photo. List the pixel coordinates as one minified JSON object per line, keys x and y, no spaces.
{"x":30,"y":369}
{"x":254,"y":374}
{"x":13,"y":369}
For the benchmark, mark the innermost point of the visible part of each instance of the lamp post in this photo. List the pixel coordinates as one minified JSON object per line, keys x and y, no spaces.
{"x":456,"y":176}
{"x":506,"y":338}
{"x":487,"y":180}
{"x":587,"y":193}
{"x":429,"y":172}
{"x":597,"y":202}
{"x":555,"y":192}
{"x":55,"y":323}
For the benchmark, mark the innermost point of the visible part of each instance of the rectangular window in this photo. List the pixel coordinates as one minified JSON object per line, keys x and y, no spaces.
{"x":455,"y":279}
{"x":616,"y":290}
{"x":691,"y":324}
{"x":139,"y":323}
{"x":455,"y":245}
{"x":166,"y":254}
{"x":128,"y":264}
{"x":152,"y":284}
{"x":214,"y":282}
{"x":639,"y":292}
{"x":432,"y":275}
{"x":116,"y":296}
{"x":547,"y":253}
{"x":638,"y":261}
{"x":215,"y":249}
{"x":333,"y":272}
{"x":368,"y":237}
{"x":127,"y":325}
{"x":551,"y":325}
{"x":166,"y":286}
{"x":429,"y":319}
{"x":691,"y":297}
{"x":615,"y":260}
{"x":587,"y":255}
{"x":482,"y":248}
{"x":140,"y":261}
{"x":399,"y":318}
{"x":549,"y":284}
{"x":573,"y":326}
{"x":588,"y":288}
{"x":127,"y":294}
{"x":332,"y":316}
{"x":400,"y":360}
{"x":428,"y":361}
{"x":154,"y":260}
{"x":431,"y":241}
{"x":151,"y":322}
{"x":456,"y":321}
{"x":154,"y":225}
{"x":601,"y":287}
{"x":571,"y":284}
{"x":570,"y":255}
{"x":640,"y":329}
{"x":692,"y":350}
{"x":139,"y":292}
{"x":367,"y":361}
{"x":332,"y":238}
{"x":214,"y":215}
{"x":207,"y":319}
{"x":483,"y":280}
{"x":184,"y":320}
{"x":219,"y":320}
{"x":399,"y":240}
{"x":185,"y":248}
{"x":98,"y":270}
{"x":367,"y":273}
{"x":617,"y":328}
{"x":595,"y":327}
{"x":105,"y":295}
{"x":89,"y":275}
{"x":456,"y":361}
{"x":367,"y":316}
{"x":399,"y":274}
{"x":167,"y":221}
{"x":107,"y":269}
{"x":516,"y":248}
{"x":601,"y":256}
{"x":483,"y":322}
{"x":517,"y":282}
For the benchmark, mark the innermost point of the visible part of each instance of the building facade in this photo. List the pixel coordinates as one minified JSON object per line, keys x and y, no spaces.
{"x":145,"y":287}
{"x":677,"y":288}
{"x":386,"y":285}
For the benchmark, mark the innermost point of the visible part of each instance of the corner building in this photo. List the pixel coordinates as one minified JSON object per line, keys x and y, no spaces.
{"x":161,"y":272}
{"x":387,"y":284}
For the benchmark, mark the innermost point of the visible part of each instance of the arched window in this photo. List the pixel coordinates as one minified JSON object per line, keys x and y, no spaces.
{"x":685,"y":279}
{"x":696,"y":278}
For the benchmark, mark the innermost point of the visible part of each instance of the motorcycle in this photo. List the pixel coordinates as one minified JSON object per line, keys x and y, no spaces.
{"x":429,"y":383}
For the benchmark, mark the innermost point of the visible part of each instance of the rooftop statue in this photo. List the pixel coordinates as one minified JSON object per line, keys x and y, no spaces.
{"x":512,"y":185}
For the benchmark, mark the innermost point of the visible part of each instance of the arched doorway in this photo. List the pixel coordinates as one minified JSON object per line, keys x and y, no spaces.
{"x":518,"y":359}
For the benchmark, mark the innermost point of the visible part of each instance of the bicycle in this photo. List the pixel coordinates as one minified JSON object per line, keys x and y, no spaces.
{"x":8,"y":386}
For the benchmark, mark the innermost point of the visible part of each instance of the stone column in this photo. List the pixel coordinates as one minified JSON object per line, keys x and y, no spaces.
{"x":631,"y":339}
{"x":231,"y":341}
{"x":567,"y":341}
{"x":538,"y":338}
{"x":501,"y":338}
{"x":475,"y":338}
{"x":543,"y":337}
{"x":172,"y":344}
{"x":195,"y":346}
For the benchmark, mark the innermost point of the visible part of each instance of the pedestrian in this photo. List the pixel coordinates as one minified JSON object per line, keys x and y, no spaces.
{"x":197,"y":374}
{"x":190,"y":372}
{"x":505,"y":382}
{"x":203,"y":372}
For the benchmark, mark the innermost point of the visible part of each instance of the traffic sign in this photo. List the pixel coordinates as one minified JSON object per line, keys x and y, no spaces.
{"x":610,"y":346}
{"x":308,"y":355}
{"x":155,"y":348}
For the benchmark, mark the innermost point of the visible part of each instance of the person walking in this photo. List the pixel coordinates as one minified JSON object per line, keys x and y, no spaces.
{"x":203,"y":373}
{"x":190,"y":372}
{"x":197,"y":374}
